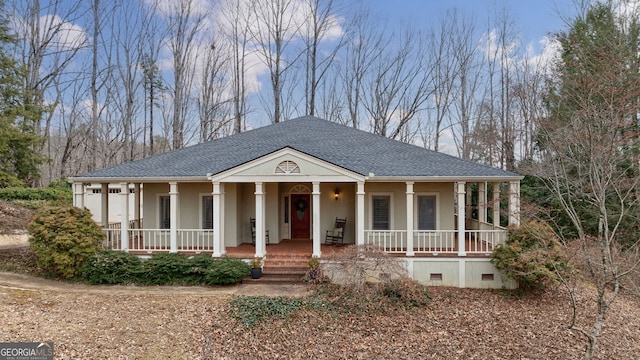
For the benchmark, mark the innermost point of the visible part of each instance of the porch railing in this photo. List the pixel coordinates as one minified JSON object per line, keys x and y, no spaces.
{"x":436,"y":241}
{"x":392,"y":241}
{"x":159,"y":240}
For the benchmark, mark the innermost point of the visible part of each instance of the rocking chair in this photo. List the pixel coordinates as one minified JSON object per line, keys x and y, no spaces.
{"x":336,"y":235}
{"x":252,"y":221}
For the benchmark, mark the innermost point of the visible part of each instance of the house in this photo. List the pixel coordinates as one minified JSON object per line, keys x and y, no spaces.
{"x":438,"y":212}
{"x":93,"y":201}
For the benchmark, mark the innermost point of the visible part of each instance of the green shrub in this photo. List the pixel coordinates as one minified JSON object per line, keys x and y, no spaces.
{"x":164,"y":269}
{"x":63,"y":238}
{"x":9,"y":180}
{"x":55,"y":193}
{"x":226,"y":271}
{"x":111,"y":267}
{"x":533,"y":256}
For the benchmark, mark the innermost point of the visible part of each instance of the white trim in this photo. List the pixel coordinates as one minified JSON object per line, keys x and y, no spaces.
{"x":391,"y":208}
{"x":416,"y":220}
{"x":375,"y":178}
{"x":233,"y":174}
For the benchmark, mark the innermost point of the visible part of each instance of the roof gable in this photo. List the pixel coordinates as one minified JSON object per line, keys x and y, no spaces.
{"x":284,"y":163}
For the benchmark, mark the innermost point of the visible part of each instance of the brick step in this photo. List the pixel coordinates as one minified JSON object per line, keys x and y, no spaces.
{"x":285,"y":269}
{"x":276,"y":278}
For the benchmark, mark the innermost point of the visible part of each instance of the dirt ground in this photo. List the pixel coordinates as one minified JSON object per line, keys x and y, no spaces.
{"x":13,"y":219}
{"x":116,"y":322}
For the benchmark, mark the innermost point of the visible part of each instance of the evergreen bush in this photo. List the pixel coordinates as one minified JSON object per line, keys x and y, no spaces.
{"x":63,"y":238}
{"x":111,"y":267}
{"x":532,"y":255}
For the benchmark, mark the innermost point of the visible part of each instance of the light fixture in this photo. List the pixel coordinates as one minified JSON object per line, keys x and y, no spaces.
{"x":336,"y":194}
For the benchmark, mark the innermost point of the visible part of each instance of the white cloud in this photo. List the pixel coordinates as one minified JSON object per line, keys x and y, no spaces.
{"x":64,"y":34}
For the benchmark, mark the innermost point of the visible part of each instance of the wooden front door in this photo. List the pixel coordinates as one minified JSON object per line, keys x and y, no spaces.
{"x":300,"y":216}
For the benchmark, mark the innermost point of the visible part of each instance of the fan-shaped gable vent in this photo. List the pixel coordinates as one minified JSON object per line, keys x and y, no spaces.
{"x":287,"y":167}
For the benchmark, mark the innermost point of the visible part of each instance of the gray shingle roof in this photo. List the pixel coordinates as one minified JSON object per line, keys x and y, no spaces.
{"x":352,"y":149}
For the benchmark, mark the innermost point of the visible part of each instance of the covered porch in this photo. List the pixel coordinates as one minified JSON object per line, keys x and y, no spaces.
{"x":467,"y":219}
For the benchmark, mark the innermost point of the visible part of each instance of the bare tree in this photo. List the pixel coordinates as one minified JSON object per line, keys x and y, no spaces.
{"x":184,"y":21}
{"x":362,"y":50}
{"x":213,"y":101}
{"x":321,"y":19}
{"x":443,"y":75}
{"x":399,"y":85}
{"x":588,"y":157}
{"x":467,"y":85}
{"x":274,"y":32}
{"x":235,"y":24}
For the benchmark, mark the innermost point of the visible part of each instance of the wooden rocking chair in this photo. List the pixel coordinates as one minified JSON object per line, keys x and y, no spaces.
{"x":252,"y":221}
{"x":336,"y":235}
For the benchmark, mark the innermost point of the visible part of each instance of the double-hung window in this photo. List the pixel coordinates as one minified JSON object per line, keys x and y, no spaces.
{"x":381,"y":212}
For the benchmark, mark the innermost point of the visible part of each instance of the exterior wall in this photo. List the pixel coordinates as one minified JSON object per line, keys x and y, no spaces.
{"x":444,"y":192}
{"x":93,"y":202}
{"x":272,"y":214}
{"x":246,"y":210}
{"x":344,"y":207}
{"x":190,"y":216}
{"x":150,"y":203}
{"x":450,"y":269}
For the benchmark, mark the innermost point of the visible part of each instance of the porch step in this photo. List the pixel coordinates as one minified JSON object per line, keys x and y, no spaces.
{"x":284,"y":268}
{"x":277,"y":277}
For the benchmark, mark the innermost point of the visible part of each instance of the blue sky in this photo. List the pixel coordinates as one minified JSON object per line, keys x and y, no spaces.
{"x":535,"y":18}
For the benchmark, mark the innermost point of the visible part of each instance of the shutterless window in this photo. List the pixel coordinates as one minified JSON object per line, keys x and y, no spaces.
{"x":426,"y":212}
{"x":207,"y":212}
{"x":165,"y":212}
{"x":381,"y":205}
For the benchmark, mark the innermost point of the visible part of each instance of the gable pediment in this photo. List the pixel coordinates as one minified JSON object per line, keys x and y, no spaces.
{"x":286,"y":165}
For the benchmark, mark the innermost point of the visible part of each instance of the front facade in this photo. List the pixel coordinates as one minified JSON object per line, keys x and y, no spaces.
{"x":292,"y":180}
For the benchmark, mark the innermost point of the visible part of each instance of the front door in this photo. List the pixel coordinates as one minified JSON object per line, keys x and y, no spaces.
{"x":300,"y":216}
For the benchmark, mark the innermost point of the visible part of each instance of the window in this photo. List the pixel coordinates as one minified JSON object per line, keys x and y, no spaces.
{"x":165,"y":212}
{"x":381,"y":212}
{"x":426,"y":212}
{"x":287,"y":167}
{"x":207,"y":212}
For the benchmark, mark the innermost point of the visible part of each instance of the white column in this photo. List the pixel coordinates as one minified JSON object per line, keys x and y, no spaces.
{"x":78,"y":195}
{"x":360,"y":213}
{"x":460,"y":189}
{"x":482,"y":202}
{"x":496,"y":204}
{"x":217,"y":213}
{"x":223,"y":249}
{"x":124,"y":215}
{"x":316,"y":219}
{"x":136,"y":204}
{"x":173,"y":215}
{"x":410,"y":219}
{"x":260,"y":245}
{"x":514,"y":203}
{"x":104,"y":211}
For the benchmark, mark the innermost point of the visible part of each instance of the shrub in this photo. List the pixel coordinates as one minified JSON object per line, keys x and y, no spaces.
{"x":163,"y":269}
{"x":54,"y":193}
{"x":63,"y":238}
{"x":111,"y":267}
{"x":533,"y":256}
{"x":226,"y":271}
